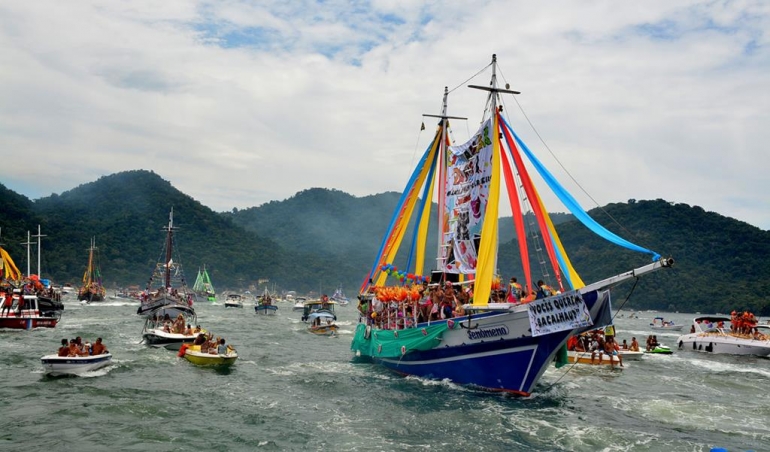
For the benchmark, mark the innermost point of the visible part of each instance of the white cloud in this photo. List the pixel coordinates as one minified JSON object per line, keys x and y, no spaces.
{"x":238,"y":103}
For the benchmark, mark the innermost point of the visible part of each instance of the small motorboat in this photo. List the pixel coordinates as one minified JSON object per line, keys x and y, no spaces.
{"x":193,"y":354}
{"x":299,"y":304}
{"x":661,"y":324}
{"x":55,"y":365}
{"x":234,"y":300}
{"x":599,"y":358}
{"x":320,"y":318}
{"x":156,"y":334}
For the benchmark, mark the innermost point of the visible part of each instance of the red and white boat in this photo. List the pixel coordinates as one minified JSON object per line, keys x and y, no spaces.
{"x":33,"y":312}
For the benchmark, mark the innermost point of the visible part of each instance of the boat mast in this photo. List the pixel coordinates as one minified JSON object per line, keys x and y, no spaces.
{"x":38,"y":250}
{"x":442,"y":252}
{"x":29,"y":255}
{"x":169,"y":244}
{"x":493,"y":103}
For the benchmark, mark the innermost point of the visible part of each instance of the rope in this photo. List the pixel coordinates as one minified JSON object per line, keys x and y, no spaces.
{"x":531,"y":125}
{"x":636,"y":281}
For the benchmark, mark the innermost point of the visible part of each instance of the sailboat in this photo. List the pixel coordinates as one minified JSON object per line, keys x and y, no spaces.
{"x":203,"y":286}
{"x":92,"y":289}
{"x":167,"y":289}
{"x":484,"y":341}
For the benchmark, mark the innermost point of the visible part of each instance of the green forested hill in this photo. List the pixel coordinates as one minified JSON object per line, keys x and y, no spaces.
{"x":320,"y":238}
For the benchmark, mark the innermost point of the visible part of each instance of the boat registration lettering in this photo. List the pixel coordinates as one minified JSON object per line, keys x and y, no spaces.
{"x":564,"y":312}
{"x":486,"y":333}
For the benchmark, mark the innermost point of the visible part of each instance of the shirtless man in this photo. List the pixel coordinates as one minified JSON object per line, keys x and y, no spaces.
{"x":64,"y":350}
{"x":98,"y":348}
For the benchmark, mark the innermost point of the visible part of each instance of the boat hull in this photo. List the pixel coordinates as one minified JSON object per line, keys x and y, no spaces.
{"x":667,"y":328}
{"x":194,"y":355}
{"x":629,"y":355}
{"x":233,"y":305}
{"x":323,"y":330}
{"x":497,"y":352}
{"x":266,"y":310}
{"x":723,"y":344}
{"x":170,"y":341}
{"x":599,"y":358}
{"x":74,"y":365}
{"x":27,"y":322}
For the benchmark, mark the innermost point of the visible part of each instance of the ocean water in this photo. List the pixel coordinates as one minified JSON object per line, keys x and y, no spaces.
{"x":291,"y":390}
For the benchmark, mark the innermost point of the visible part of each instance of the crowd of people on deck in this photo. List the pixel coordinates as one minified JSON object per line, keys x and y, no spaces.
{"x":440,"y":301}
{"x":77,"y":347}
{"x":13,"y":298}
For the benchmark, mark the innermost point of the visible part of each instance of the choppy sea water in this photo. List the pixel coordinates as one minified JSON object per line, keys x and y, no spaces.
{"x":291,"y":390}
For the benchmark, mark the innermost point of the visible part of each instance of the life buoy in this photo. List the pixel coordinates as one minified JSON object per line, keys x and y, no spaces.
{"x":182,"y":350}
{"x":368,"y":332}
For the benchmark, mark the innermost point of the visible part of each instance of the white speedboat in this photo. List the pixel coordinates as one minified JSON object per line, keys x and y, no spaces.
{"x":234,"y":300}
{"x":299,"y":304}
{"x":55,"y":365}
{"x":711,"y":335}
{"x":661,"y":324}
{"x":158,"y":331}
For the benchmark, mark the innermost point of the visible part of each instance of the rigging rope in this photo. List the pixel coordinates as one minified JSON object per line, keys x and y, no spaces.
{"x":560,"y":164}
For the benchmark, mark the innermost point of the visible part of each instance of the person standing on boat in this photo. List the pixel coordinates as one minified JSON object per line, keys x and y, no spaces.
{"x":8,"y":303}
{"x":543,"y":290}
{"x":514,"y":291}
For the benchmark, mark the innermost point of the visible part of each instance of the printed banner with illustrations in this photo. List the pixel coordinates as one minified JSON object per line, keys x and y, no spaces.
{"x":563,"y":312}
{"x":469,"y":171}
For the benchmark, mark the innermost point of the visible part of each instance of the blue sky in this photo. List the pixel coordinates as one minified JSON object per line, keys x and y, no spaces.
{"x":238,"y":103}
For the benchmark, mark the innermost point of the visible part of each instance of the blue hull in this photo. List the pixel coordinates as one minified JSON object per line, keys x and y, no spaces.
{"x":270,"y":309}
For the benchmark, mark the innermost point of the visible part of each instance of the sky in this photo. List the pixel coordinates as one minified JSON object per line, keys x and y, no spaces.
{"x":238,"y":103}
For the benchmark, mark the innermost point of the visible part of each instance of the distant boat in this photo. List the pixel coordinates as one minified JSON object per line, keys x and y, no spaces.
{"x":661,"y":324}
{"x":265,"y":304}
{"x":167,"y":288}
{"x":339,"y":297}
{"x":489,"y":343}
{"x":203,"y":286}
{"x":92,"y":290}
{"x":234,"y":300}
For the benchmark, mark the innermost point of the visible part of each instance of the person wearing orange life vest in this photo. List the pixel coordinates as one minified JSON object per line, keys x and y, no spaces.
{"x":514,"y":291}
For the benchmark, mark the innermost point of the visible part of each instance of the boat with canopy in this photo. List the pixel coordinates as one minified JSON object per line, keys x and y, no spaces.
{"x":483,"y":342}
{"x":92,"y":288}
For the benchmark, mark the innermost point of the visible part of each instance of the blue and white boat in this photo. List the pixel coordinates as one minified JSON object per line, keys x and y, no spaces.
{"x":55,"y":365}
{"x":320,"y":316}
{"x":265,"y":304}
{"x":486,"y":343}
